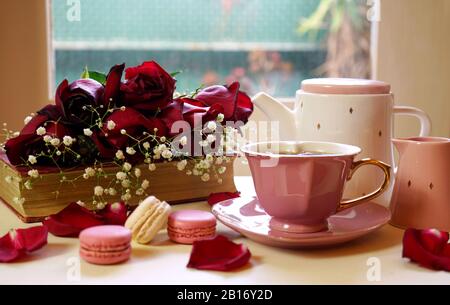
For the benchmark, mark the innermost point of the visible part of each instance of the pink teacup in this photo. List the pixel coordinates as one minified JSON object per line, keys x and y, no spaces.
{"x":300,"y":184}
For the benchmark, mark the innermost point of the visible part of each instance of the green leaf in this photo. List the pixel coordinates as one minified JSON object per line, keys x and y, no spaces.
{"x":173,"y":74}
{"x":98,"y":76}
{"x":85,"y":73}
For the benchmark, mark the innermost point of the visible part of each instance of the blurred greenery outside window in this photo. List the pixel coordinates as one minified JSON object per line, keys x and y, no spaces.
{"x":267,"y":45}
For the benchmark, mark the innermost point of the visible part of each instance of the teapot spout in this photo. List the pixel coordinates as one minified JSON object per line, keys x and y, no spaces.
{"x":277,"y":112}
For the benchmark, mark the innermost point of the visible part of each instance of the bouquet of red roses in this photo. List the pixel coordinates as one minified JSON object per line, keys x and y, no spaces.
{"x":102,"y":120}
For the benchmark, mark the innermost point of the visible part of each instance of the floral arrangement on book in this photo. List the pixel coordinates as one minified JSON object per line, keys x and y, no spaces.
{"x":102,"y":122}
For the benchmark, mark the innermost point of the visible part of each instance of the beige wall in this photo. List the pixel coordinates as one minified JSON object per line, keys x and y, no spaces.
{"x":414,"y":56}
{"x":23,"y":60}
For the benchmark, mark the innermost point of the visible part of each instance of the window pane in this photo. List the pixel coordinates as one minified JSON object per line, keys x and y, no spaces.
{"x":257,"y":42}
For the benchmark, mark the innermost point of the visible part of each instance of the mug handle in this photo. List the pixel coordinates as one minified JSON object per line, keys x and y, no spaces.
{"x":346,"y":204}
{"x":425,"y":122}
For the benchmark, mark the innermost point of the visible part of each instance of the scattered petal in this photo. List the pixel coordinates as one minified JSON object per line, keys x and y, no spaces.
{"x":218,"y":253}
{"x":71,"y":221}
{"x":14,"y":246}
{"x":416,"y":251}
{"x":219,"y":197}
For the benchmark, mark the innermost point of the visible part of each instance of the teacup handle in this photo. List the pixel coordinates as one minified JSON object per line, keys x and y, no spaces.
{"x":346,"y":204}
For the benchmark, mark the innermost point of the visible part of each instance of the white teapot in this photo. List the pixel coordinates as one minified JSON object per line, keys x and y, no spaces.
{"x":350,"y":111}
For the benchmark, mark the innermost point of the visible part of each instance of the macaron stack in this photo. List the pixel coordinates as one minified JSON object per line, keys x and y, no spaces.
{"x":187,"y":226}
{"x":105,"y":245}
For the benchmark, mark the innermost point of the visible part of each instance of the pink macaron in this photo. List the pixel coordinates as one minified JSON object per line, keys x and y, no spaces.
{"x":105,"y":245}
{"x":187,"y":226}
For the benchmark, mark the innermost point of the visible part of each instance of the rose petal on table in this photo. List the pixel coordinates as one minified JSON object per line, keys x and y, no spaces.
{"x":219,"y":197}
{"x":115,"y":213}
{"x":8,"y":250}
{"x":219,"y":254}
{"x":414,"y":249}
{"x":433,"y":240}
{"x":71,"y":221}
{"x":31,"y":239}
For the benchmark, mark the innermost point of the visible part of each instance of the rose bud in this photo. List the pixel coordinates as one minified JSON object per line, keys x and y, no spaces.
{"x":77,"y":100}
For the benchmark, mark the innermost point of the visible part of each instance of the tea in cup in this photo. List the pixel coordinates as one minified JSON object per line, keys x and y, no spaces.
{"x":301,"y":184}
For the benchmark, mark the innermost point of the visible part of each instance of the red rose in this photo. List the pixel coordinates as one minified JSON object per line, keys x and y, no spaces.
{"x":136,"y":125}
{"x":236,"y":104}
{"x":148,"y":87}
{"x":76,"y":99}
{"x":29,"y":142}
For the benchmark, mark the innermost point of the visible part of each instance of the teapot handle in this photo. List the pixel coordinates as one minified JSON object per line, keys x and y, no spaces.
{"x":425,"y":122}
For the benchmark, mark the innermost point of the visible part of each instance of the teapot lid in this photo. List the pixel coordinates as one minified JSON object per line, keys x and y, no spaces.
{"x":345,"y":86}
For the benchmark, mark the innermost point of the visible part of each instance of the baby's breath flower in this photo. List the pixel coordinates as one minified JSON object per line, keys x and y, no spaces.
{"x":67,"y":140}
{"x":32,"y":159}
{"x":126,"y":167}
{"x":196,"y":172}
{"x":220,"y":180}
{"x":209,"y":158}
{"x":137,"y":172}
{"x":126,"y":183}
{"x":98,"y":190}
{"x":120,"y":155}
{"x":126,"y":197}
{"x":27,"y":119}
{"x":47,"y":139}
{"x":112,"y":191}
{"x":163,"y":139}
{"x":130,"y":151}
{"x":210,"y":138}
{"x":222,"y":170}
{"x":33,"y":173}
{"x":87,"y":132}
{"x":58,"y":153}
{"x":55,"y":141}
{"x":181,"y":165}
{"x":145,"y":184}
{"x":219,"y":160}
{"x":110,"y":125}
{"x":189,"y":172}
{"x":123,"y":108}
{"x":100,"y":205}
{"x":146,"y":145}
{"x":121,"y":176}
{"x":167,"y":154}
{"x":123,"y":131}
{"x":9,"y":179}
{"x":89,"y":171}
{"x":183,"y":140}
{"x":220,"y":117}
{"x":211,"y":126}
{"x":85,"y":176}
{"x":205,"y":177}
{"x":151,"y":167}
{"x":41,"y":131}
{"x":140,"y":191}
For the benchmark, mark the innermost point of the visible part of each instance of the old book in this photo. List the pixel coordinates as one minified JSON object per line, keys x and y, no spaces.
{"x":48,"y":195}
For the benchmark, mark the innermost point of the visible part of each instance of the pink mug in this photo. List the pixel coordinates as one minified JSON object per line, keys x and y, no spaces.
{"x":300,"y":184}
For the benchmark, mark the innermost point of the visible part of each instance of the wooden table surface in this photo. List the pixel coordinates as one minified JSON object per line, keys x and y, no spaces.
{"x":163,"y":262}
